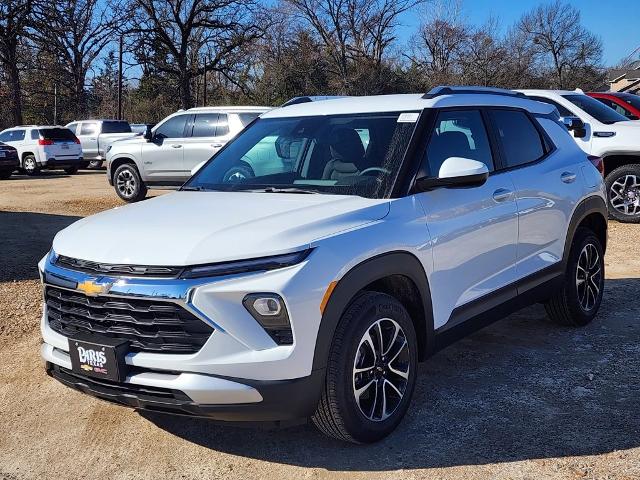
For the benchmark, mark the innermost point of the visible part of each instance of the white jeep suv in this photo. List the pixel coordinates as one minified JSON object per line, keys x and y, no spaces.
{"x":44,"y":147}
{"x":164,"y":155}
{"x":602,"y":132}
{"x":383,"y":228}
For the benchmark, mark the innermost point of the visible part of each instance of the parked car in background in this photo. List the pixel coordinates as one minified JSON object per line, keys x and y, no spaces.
{"x":96,"y":135}
{"x":8,"y":161}
{"x":44,"y":147}
{"x":602,"y":132}
{"x":626,"y":104}
{"x":139,"y":128}
{"x":165,"y":155}
{"x":398,"y":224}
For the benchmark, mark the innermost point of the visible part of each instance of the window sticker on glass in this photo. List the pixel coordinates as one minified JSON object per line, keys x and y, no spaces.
{"x":409,"y":117}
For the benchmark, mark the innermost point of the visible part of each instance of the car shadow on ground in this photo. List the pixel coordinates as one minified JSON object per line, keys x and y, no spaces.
{"x":25,"y":237}
{"x":520,"y":389}
{"x":47,"y":174}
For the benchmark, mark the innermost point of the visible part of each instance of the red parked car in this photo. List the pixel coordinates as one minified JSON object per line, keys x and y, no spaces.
{"x":626,"y":104}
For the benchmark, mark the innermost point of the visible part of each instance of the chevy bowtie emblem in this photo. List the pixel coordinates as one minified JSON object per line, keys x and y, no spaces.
{"x":92,"y":288}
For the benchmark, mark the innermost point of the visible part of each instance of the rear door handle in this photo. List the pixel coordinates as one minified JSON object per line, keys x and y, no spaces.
{"x":216,"y":145}
{"x":568,"y":177}
{"x":176,"y":146}
{"x":502,"y":194}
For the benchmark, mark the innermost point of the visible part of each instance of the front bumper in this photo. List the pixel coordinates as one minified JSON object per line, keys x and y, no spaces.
{"x":239,"y":374}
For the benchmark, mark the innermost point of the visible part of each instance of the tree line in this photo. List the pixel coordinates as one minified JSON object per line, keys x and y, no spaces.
{"x":59,"y":58}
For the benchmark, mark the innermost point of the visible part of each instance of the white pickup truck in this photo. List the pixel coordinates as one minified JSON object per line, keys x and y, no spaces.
{"x":96,"y":135}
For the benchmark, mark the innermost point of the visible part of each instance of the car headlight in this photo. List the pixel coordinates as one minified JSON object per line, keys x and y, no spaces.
{"x":244,"y":266}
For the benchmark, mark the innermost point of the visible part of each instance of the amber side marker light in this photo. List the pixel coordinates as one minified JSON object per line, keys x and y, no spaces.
{"x":327,"y":296}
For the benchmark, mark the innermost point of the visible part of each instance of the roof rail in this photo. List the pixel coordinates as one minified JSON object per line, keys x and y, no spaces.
{"x":463,"y":90}
{"x":309,"y":98}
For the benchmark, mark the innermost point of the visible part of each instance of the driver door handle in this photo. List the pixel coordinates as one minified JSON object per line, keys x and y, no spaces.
{"x":176,"y":146}
{"x":502,"y":194}
{"x":216,"y":145}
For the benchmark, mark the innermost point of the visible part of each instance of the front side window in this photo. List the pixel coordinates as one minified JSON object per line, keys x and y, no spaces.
{"x":5,"y":137}
{"x":520,"y":139}
{"x":458,"y":133}
{"x":88,"y":128}
{"x":172,"y":128}
{"x":631,"y":99}
{"x":356,"y":154}
{"x":597,"y":110}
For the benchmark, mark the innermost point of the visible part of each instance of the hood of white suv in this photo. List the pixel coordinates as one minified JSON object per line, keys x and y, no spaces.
{"x":189,"y":228}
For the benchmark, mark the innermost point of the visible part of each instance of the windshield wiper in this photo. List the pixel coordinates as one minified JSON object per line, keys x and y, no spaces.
{"x":288,"y":190}
{"x":195,"y":189}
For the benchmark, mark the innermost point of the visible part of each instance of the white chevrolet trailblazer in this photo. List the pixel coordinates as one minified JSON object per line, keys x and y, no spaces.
{"x":602,"y":132}
{"x":381,"y":229}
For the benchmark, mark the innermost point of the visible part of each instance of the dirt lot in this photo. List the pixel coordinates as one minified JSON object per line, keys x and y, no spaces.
{"x":522,"y":399}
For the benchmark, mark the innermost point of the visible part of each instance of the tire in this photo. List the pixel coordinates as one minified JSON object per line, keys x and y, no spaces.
{"x":128,"y":184}
{"x":623,"y":193}
{"x":5,"y":174}
{"x":339,"y":414}
{"x":238,"y":173}
{"x":30,"y":166}
{"x":71,"y":170}
{"x":95,"y":164}
{"x":577,"y":302}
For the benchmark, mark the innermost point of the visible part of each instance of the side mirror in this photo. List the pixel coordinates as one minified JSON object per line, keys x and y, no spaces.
{"x":148,"y":134}
{"x":575,"y":125}
{"x":456,"y":172}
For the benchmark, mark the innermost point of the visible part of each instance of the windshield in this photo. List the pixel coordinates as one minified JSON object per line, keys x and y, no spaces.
{"x":596,"y":109}
{"x":341,"y":154}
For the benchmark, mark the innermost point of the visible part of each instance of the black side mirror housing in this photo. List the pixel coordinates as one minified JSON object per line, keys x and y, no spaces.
{"x":575,"y":125}
{"x":148,"y":134}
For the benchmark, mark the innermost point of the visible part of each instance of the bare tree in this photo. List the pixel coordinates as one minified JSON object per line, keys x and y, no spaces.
{"x":485,"y":60}
{"x":196,"y":35}
{"x":15,"y":16}
{"x":559,"y":39}
{"x":438,"y":47}
{"x":75,"y":32}
{"x":352,"y":31}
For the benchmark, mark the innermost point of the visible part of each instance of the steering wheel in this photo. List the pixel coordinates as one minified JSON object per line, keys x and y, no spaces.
{"x":370,"y":170}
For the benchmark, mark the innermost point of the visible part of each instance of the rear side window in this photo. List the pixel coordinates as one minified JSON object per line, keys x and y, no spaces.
{"x":116,"y":127}
{"x":204,"y":125}
{"x":247,"y":117}
{"x":222,"y":128}
{"x":520,"y":139}
{"x":35,"y":135}
{"x":172,"y":128}
{"x":57,"y":134}
{"x":458,"y":133}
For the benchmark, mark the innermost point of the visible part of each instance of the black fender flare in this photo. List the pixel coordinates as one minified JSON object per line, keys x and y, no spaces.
{"x":588,"y":206}
{"x":375,"y":268}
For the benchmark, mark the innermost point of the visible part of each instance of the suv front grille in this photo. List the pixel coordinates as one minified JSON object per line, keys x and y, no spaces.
{"x":150,"y":326}
{"x":117,"y":269}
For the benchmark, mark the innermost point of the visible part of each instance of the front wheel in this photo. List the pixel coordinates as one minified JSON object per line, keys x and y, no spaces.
{"x":30,"y":166}
{"x":128,"y":183}
{"x":577,"y":302}
{"x":623,"y":193}
{"x":371,"y":371}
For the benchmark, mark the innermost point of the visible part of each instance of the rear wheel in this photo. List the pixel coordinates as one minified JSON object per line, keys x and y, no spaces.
{"x":371,"y":371}
{"x":577,"y":303}
{"x":128,"y":183}
{"x":623,"y":193}
{"x":29,"y":165}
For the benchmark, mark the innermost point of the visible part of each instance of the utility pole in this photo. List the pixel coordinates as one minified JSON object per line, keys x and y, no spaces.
{"x":120,"y":77}
{"x":204,"y":90}
{"x":55,"y":103}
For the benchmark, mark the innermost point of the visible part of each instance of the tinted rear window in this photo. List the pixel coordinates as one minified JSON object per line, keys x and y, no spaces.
{"x":57,"y":134}
{"x":116,"y":127}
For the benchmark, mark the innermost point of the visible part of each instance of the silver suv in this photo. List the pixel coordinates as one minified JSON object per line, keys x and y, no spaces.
{"x":165,"y":155}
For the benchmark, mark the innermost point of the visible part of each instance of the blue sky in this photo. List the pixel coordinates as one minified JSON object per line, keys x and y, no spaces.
{"x":617,"y":24}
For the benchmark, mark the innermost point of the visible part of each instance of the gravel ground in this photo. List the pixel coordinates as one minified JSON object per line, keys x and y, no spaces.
{"x":522,"y":399}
